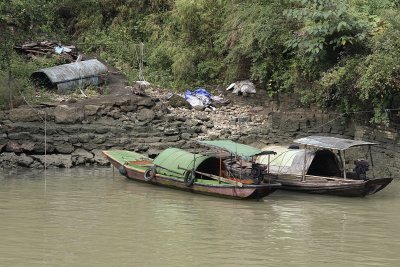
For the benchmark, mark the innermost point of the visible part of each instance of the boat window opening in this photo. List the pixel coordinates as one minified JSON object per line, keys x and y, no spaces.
{"x":325,"y":163}
{"x":210,"y":166}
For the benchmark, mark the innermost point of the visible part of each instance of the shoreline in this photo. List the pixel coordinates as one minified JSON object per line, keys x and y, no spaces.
{"x":76,"y":133}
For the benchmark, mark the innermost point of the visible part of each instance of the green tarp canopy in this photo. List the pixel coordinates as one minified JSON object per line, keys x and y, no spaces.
{"x":174,"y":161}
{"x":241,"y":150}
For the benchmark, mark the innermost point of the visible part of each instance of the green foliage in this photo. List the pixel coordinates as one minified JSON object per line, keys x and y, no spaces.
{"x":184,"y":42}
{"x":252,"y":41}
{"x":326,"y":27}
{"x":339,"y":54}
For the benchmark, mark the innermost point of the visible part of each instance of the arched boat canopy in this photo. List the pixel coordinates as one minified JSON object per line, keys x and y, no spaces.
{"x":331,"y":142}
{"x":240,"y":150}
{"x":175,"y":162}
{"x":291,"y":161}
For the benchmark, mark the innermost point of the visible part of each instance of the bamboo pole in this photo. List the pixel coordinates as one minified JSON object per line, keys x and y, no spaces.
{"x":372,"y":161}
{"x":344,"y":164}
{"x":303,"y":177}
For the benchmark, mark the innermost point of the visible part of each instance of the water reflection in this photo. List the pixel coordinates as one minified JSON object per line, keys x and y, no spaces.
{"x":88,"y":217}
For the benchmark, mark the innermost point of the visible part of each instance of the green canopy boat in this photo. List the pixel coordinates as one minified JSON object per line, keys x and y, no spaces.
{"x":241,"y":159}
{"x":180,"y":169}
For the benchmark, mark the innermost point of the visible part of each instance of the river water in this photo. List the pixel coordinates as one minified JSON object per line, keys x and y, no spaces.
{"x":92,"y":217}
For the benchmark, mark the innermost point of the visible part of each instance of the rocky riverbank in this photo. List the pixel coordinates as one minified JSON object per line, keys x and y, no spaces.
{"x":73,"y":134}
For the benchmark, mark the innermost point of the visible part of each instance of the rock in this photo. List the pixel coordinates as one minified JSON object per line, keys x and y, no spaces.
{"x":171,"y":131}
{"x":213,"y":136}
{"x":64,"y":148}
{"x":256,"y":109}
{"x":152,"y":153}
{"x":91,"y":146}
{"x":209,"y":125}
{"x":12,"y":159}
{"x":199,"y":108}
{"x":37,"y":147}
{"x":102,"y":129}
{"x":196,"y":129}
{"x":55,"y":160}
{"x":192,"y":123}
{"x":173,"y":138}
{"x":186,"y":136}
{"x":244,"y":119}
{"x":91,"y":110}
{"x":66,"y":114}
{"x":19,"y":136}
{"x":115,"y":113}
{"x":141,"y":148}
{"x":24,"y":160}
{"x":123,"y":101}
{"x":146,"y":102}
{"x":99,"y":158}
{"x":129,"y":108}
{"x":99,"y":139}
{"x":177,"y":101}
{"x":145,"y":115}
{"x":26,"y":114}
{"x":161,"y":107}
{"x":86,"y":138}
{"x":8,"y":159}
{"x":81,"y":156}
{"x":152,"y":139}
{"x":13,"y":147}
{"x":202,"y":117}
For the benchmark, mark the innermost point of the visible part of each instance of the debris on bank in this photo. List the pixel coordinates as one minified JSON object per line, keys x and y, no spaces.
{"x":47,"y":49}
{"x":245,"y":88}
{"x":71,"y":76}
{"x":198,"y":99}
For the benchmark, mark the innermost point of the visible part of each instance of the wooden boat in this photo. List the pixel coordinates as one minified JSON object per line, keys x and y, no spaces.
{"x":186,"y":171}
{"x":321,"y":171}
{"x":239,"y":159}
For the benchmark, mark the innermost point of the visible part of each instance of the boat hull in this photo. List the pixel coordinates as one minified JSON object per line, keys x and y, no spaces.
{"x":226,"y":191}
{"x":337,"y":187}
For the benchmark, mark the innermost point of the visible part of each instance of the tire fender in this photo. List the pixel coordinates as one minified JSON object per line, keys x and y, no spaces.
{"x":122,"y":170}
{"x":150,"y":173}
{"x":189,"y":178}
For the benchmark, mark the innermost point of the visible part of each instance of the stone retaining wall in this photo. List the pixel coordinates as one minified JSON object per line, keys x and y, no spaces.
{"x":76,"y":133}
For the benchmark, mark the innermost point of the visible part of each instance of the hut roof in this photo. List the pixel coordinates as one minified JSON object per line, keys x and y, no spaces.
{"x":241,"y":150}
{"x":73,"y":71}
{"x":331,"y":142}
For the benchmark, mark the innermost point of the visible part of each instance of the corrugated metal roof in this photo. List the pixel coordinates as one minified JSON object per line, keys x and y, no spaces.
{"x":177,"y":161}
{"x":74,"y":71}
{"x":241,"y":150}
{"x":331,"y":142}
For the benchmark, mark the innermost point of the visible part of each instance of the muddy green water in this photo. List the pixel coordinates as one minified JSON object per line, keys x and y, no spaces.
{"x":88,"y":217}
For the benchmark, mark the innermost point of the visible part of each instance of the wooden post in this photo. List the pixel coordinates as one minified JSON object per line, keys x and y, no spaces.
{"x":220,"y":163}
{"x":344,"y":164}
{"x":372,"y":162}
{"x":303,"y":177}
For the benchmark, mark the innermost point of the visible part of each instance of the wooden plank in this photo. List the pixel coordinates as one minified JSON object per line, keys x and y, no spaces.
{"x":216,"y":177}
{"x":219,"y":178}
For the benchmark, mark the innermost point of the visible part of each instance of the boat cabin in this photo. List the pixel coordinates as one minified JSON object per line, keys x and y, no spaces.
{"x":327,"y":160}
{"x":177,"y":162}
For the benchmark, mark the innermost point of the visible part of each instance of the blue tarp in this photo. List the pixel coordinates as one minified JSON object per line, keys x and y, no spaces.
{"x":199,"y":97}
